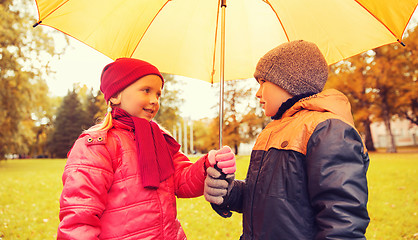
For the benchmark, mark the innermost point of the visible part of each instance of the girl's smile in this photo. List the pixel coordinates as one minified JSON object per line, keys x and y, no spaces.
{"x":141,"y":98}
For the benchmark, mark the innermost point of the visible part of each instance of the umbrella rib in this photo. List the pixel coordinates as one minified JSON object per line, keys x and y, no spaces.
{"x":398,"y":39}
{"x":132,"y":53}
{"x":40,"y":20}
{"x":214,"y":46}
{"x":278,"y":18}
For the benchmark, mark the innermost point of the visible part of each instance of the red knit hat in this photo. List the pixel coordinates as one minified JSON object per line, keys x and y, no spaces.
{"x":121,"y":73}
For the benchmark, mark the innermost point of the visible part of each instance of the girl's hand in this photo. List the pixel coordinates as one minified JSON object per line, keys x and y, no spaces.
{"x":224,"y":158}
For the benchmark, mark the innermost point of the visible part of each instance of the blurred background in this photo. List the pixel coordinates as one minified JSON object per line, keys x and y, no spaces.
{"x":49,"y":94}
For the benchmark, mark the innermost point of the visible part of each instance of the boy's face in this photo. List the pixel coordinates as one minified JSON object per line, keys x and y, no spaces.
{"x":141,"y":98}
{"x":271,"y":97}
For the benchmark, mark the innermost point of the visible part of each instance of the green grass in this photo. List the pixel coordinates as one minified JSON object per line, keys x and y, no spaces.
{"x":29,"y":194}
{"x":30,"y":190}
{"x":393,"y":197}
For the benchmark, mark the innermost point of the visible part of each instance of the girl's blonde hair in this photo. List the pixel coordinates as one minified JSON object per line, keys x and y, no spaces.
{"x":107,"y":122}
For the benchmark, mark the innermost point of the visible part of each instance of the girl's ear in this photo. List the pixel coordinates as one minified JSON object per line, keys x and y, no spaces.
{"x":115,"y":100}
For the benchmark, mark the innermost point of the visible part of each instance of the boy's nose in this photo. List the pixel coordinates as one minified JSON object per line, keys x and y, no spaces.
{"x":258,"y":93}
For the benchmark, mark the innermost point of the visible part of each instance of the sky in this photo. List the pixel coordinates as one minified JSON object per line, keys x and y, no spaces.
{"x":81,"y":64}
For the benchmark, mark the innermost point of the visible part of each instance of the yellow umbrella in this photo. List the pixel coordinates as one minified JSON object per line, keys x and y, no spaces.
{"x":184,"y":37}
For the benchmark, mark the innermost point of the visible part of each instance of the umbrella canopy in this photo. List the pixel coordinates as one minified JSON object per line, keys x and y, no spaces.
{"x":200,"y":39}
{"x":183,"y":37}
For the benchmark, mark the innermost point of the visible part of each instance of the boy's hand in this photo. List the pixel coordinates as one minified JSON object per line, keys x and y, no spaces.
{"x":215,"y":187}
{"x":224,"y":158}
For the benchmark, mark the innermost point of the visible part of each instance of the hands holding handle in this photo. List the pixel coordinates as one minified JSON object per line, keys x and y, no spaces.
{"x":220,"y":175}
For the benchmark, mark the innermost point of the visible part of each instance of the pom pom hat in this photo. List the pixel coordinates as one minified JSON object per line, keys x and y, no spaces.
{"x":121,"y":73}
{"x":297,"y":66}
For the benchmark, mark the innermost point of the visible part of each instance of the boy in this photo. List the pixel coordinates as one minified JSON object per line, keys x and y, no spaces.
{"x":307,"y":173}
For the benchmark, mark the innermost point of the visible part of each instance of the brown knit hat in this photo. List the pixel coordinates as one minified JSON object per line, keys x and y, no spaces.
{"x":297,"y":66}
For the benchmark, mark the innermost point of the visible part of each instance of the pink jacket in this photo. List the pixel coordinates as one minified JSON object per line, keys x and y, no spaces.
{"x":103,"y":197}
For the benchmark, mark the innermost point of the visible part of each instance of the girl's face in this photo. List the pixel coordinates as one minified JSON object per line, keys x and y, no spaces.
{"x":141,"y":98}
{"x":271,"y":97}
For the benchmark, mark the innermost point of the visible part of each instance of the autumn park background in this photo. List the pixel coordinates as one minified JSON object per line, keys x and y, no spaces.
{"x":38,"y":128}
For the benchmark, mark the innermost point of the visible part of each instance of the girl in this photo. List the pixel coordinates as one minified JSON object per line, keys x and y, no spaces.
{"x":122,"y":176}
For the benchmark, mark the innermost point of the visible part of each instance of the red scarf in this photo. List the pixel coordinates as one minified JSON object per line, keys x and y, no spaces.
{"x":155,"y":148}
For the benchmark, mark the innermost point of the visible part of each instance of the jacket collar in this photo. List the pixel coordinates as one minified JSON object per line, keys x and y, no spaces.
{"x":289,"y":103}
{"x":330,"y":100}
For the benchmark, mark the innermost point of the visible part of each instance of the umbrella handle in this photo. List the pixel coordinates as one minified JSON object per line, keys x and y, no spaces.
{"x":223,"y":175}
{"x":221,"y":82}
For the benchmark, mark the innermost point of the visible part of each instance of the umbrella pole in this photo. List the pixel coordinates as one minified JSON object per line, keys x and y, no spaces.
{"x":221,"y":82}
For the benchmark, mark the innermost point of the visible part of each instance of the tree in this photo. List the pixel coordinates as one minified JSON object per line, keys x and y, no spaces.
{"x":22,"y":53}
{"x":168,"y":115}
{"x":92,"y":103}
{"x":205,"y":134}
{"x":91,"y":108}
{"x":407,"y":61}
{"x":381,"y":84}
{"x":68,"y":125}
{"x":234,"y":94}
{"x":243,"y":120}
{"x":43,"y":116}
{"x":395,"y":92}
{"x":252,"y":123}
{"x":369,"y":85}
{"x":101,"y":106}
{"x":349,"y":77}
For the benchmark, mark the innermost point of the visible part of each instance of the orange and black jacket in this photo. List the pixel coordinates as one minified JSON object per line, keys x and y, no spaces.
{"x":307,"y":175}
